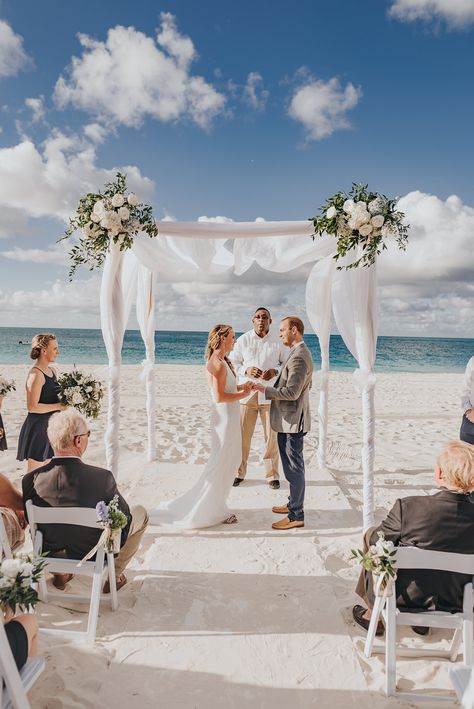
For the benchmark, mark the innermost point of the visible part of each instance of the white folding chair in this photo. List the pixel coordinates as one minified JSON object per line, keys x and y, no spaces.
{"x":98,"y":569}
{"x":17,"y":683}
{"x":461,"y":623}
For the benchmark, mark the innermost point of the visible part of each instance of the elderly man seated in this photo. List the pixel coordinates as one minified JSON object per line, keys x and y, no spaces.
{"x":443,"y":521}
{"x":66,"y":481}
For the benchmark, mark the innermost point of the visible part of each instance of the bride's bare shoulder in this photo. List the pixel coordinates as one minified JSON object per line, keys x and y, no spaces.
{"x":215,"y":365}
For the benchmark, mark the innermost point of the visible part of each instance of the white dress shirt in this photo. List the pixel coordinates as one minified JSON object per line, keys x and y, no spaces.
{"x":266,"y":352}
{"x":467,"y":394}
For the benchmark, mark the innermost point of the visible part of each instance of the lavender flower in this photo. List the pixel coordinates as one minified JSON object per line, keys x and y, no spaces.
{"x":102,"y":511}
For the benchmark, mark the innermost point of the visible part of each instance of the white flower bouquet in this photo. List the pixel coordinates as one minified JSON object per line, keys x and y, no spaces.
{"x":6,"y":386}
{"x":361,"y":218}
{"x":81,"y":391}
{"x":18,"y":579}
{"x":110,"y":216}
{"x":112,"y":520}
{"x":379,"y":559}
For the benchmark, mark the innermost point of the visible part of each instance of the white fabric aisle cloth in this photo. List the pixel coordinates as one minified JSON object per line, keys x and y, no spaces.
{"x":204,"y":505}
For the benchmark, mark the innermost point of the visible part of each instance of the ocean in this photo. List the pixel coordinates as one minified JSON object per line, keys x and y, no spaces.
{"x":394,"y":354}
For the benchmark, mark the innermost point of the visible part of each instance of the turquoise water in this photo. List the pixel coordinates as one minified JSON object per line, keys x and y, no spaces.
{"x":394,"y":354}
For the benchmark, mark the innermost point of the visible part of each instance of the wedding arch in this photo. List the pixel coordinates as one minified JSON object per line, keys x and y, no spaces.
{"x":187,"y":248}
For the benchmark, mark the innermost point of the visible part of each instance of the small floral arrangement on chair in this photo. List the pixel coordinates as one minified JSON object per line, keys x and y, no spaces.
{"x":112,"y":520}
{"x":81,"y":391}
{"x":361,"y":219}
{"x":379,"y":559}
{"x":6,"y":386}
{"x":18,"y":579}
{"x":102,"y":218}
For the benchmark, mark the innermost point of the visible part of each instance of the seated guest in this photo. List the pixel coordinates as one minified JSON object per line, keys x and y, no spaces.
{"x":22,"y":635}
{"x":11,"y":509}
{"x":65,"y":481}
{"x":440,"y":522}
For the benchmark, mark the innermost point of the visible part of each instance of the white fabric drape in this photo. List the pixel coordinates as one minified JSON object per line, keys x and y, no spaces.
{"x":186,"y":248}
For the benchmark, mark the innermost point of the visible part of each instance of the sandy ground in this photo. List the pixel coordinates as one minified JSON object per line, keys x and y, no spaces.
{"x":245,"y":616}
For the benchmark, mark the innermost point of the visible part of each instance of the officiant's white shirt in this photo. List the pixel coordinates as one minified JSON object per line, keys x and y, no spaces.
{"x":266,"y":352}
{"x":467,"y":395}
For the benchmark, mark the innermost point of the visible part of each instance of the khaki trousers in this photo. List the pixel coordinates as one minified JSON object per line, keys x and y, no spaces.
{"x":248,"y":418}
{"x":135,"y":534}
{"x":364,"y":587}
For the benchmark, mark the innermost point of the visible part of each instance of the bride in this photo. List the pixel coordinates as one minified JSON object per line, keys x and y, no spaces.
{"x":204,"y":505}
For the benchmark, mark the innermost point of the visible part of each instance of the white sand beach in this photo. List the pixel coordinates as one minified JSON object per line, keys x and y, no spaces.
{"x":244,"y":616}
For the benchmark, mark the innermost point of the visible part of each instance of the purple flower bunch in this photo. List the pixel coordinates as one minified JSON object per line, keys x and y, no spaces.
{"x":102,"y":511}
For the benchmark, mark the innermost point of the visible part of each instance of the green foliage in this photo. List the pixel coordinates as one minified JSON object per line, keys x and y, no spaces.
{"x":18,"y":579}
{"x":348,"y":236}
{"x":96,"y":235}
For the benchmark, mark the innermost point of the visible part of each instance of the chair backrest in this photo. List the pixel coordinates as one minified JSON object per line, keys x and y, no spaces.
{"x":78,"y":516}
{"x":415,"y":558}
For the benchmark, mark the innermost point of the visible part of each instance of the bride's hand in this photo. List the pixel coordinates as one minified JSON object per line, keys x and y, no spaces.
{"x":247,"y":387}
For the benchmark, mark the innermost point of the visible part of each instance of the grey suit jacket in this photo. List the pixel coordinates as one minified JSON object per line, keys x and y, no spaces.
{"x":289,"y":411}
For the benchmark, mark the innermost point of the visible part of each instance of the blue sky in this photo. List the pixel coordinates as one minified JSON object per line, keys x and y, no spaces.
{"x":298,"y":99}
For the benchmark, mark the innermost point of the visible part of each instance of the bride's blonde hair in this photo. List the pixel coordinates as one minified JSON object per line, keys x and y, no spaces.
{"x":214,"y":338}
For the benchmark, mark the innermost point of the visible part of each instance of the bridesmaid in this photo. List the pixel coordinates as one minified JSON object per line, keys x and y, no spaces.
{"x":3,"y":438}
{"x":467,"y":403}
{"x":41,"y":401}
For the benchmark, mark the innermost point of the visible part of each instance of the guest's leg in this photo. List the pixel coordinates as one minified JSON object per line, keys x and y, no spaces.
{"x":248,"y":418}
{"x":271,"y":457}
{"x":291,"y":454}
{"x":137,"y":528}
{"x":364,"y":587}
{"x":30,"y":624}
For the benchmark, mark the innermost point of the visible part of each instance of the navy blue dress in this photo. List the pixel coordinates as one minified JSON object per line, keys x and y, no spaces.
{"x":3,"y":438}
{"x":33,"y":441}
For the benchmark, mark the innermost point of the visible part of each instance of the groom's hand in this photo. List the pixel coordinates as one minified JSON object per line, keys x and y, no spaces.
{"x":259,"y":387}
{"x":253,"y":372}
{"x":269,"y":374}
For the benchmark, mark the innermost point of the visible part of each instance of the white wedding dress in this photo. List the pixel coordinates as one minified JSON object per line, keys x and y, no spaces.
{"x":204,"y":505}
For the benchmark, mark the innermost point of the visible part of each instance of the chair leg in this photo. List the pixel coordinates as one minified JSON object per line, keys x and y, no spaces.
{"x":390,"y":647}
{"x":455,"y":645}
{"x":374,"y":619}
{"x":467,"y":642}
{"x":112,"y":581}
{"x":94,"y":607}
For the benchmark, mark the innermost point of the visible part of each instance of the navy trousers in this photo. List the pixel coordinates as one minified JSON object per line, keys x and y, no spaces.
{"x":291,"y":454}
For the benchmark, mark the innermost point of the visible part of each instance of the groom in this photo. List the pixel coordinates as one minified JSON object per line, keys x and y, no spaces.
{"x":290,"y":416}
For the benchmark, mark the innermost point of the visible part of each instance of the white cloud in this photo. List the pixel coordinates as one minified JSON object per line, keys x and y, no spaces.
{"x":321,"y":106}
{"x":49,"y":181}
{"x":13,"y":57}
{"x":50,"y":255}
{"x":37,"y":108}
{"x":95,"y":133}
{"x":131,"y":76}
{"x":456,"y":13}
{"x":12,"y":222}
{"x":254,"y":93}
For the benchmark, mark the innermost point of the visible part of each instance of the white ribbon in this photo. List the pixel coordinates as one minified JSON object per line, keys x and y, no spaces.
{"x":102,"y":541}
{"x":363,"y":380}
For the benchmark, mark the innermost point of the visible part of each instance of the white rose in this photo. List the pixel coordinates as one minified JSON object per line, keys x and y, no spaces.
{"x":331,"y":212}
{"x":365,"y":229}
{"x":377,"y":221}
{"x":26,"y":568}
{"x":95,"y":217}
{"x":99,"y":207}
{"x":118,"y":200}
{"x":132,"y":199}
{"x":11,"y":567}
{"x":348,"y":206}
{"x":124,"y":213}
{"x":76,"y":398}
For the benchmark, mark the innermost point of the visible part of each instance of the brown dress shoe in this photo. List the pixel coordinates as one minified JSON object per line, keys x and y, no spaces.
{"x":60,"y":580}
{"x":119,"y":582}
{"x":358,"y":613}
{"x":287,"y":524}
{"x":280,"y":509}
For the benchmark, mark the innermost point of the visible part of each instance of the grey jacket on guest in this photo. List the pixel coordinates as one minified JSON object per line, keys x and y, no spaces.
{"x":289,"y":411}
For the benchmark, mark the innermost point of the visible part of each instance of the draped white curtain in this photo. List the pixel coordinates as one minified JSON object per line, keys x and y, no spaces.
{"x":185,"y":248}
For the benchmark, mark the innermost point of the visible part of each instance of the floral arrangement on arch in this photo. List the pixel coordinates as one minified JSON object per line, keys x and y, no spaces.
{"x":6,"y":386}
{"x":81,"y":391}
{"x":102,"y":218}
{"x":361,"y":219}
